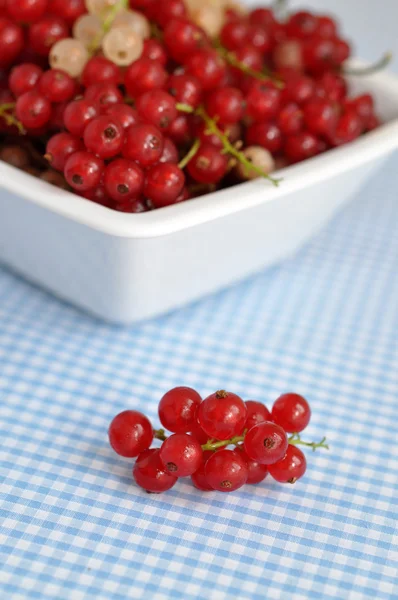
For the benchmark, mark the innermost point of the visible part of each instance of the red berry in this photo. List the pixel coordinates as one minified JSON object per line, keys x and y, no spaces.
{"x":57,"y":118}
{"x":124,"y":114}
{"x":57,"y":86}
{"x":144,"y":75}
{"x":182,"y":38}
{"x":266,"y":443}
{"x":262,"y":16}
{"x":163,"y":184}
{"x":170,"y":152}
{"x":103,"y":94}
{"x":11,"y":42}
{"x":319,"y":54}
{"x":256,"y":413}
{"x":180,"y":129}
{"x":166,"y":10}
{"x":130,"y":433}
{"x":250,"y":57}
{"x":123,"y":180}
{"x":348,"y":129}
{"x":155,"y":51}
{"x":199,"y":477}
{"x":207,"y":66}
{"x":24,"y":78}
{"x":301,"y":146}
{"x":301,"y":25}
{"x":342,"y":51}
{"x":266,"y":135}
{"x":292,"y":412}
{"x":208,"y":165}
{"x":291,"y":119}
{"x":225,"y":105}
{"x":60,"y":147}
{"x":69,"y":10}
{"x":298,"y":88}
{"x":104,"y":137}
{"x":256,"y":471}
{"x":157,"y":107}
{"x":362,"y":105}
{"x":46,"y":32}
{"x":181,"y":454}
{"x":185,"y":89}
{"x":77,"y":116}
{"x":320,"y":116}
{"x":261,"y":38}
{"x":292,"y":466}
{"x":150,"y":474}
{"x":135,"y":205}
{"x":177,"y":409}
{"x":327,"y":27}
{"x":26,"y":11}
{"x":83,"y":171}
{"x":33,"y":110}
{"x":222,"y":415}
{"x":99,"y":196}
{"x":226,"y":471}
{"x":234,"y":34}
{"x":100,"y":70}
{"x":331,"y":86}
{"x":144,"y":144}
{"x":262,"y":102}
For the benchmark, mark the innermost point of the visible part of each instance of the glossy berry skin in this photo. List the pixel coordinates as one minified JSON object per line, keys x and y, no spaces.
{"x":222,"y":415}
{"x":256,"y":471}
{"x":33,"y":110}
{"x":60,"y":147}
{"x":319,"y":54}
{"x":199,"y":477}
{"x":100,"y":70}
{"x":180,"y":129}
{"x":123,"y":180}
{"x":69,"y":10}
{"x":26,"y":11}
{"x":103,"y":94}
{"x":266,"y":443}
{"x":144,"y":75}
{"x":170,"y":152}
{"x":363,"y":106}
{"x":327,"y":27}
{"x":46,"y":32}
{"x":198,"y":433}
{"x":267,"y":135}
{"x":57,"y":86}
{"x":291,"y":119}
{"x":144,"y":144}
{"x":300,"y":146}
{"x":292,"y":412}
{"x":226,"y":471}
{"x":320,"y":116}
{"x":24,"y":78}
{"x":208,"y":67}
{"x":166,"y":10}
{"x":301,"y":25}
{"x":262,"y":102}
{"x":182,"y":38}
{"x":157,"y":107}
{"x":208,"y":165}
{"x":130,"y":433}
{"x":181,"y":454}
{"x":77,"y":116}
{"x":185,"y":89}
{"x":234,"y":34}
{"x":163,"y":184}
{"x":298,"y":88}
{"x":331,"y":86}
{"x":349,"y":128}
{"x":177,"y":409}
{"x":225,"y":105}
{"x":291,"y":467}
{"x":150,"y":474}
{"x":123,"y":114}
{"x":11,"y":42}
{"x":256,"y":413}
{"x":83,"y":171}
{"x":154,"y":51}
{"x":104,"y":137}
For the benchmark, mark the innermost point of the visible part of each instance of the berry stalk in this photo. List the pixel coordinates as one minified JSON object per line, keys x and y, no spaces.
{"x":295,"y":440}
{"x":7,"y":113}
{"x":189,"y":156}
{"x":379,"y":65}
{"x":231,"y":58}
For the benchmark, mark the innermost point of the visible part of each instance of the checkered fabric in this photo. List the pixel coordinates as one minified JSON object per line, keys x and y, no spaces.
{"x":73,"y":525}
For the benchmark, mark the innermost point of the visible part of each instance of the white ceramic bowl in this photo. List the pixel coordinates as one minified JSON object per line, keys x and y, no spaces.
{"x":125,"y":268}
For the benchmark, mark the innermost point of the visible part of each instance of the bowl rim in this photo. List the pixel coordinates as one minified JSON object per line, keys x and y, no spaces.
{"x":215,"y":205}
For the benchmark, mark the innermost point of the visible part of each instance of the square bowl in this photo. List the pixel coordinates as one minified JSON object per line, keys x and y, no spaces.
{"x":126,"y":268}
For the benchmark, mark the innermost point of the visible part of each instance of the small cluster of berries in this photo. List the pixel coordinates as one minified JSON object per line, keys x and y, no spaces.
{"x":201,"y":434}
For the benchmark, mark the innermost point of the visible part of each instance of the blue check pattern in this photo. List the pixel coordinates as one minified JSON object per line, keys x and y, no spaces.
{"x":72,"y":523}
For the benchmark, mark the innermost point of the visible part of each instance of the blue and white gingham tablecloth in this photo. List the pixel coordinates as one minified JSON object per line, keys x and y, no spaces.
{"x":325,"y":324}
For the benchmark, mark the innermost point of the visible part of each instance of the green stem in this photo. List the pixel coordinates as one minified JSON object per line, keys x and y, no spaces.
{"x":210,"y":445}
{"x":107,"y":24}
{"x":159,"y":434}
{"x":230,"y":57}
{"x":189,"y":156}
{"x":295,"y":440}
{"x":7,"y":113}
{"x":371,"y":69}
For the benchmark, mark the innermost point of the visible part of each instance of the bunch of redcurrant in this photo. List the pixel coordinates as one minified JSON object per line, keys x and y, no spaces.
{"x":202,"y":432}
{"x":140,"y":104}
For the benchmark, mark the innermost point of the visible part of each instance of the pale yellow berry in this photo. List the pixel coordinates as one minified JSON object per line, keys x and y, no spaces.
{"x":209,"y":18}
{"x":288,"y":54}
{"x":122,"y":45}
{"x":100,"y":8}
{"x":70,"y":55}
{"x":260,"y":158}
{"x":89,"y":30}
{"x":137,"y":21}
